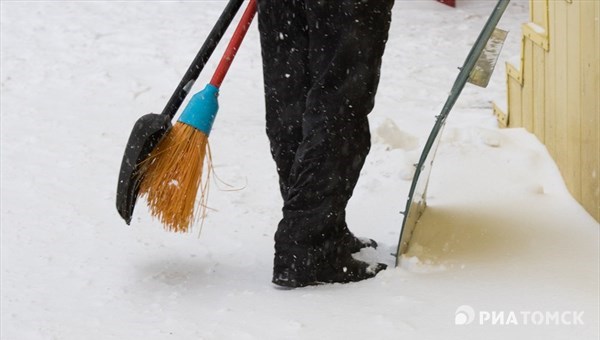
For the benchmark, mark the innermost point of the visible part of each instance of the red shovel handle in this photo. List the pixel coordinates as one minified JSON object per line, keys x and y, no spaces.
{"x":451,"y":3}
{"x":234,"y":44}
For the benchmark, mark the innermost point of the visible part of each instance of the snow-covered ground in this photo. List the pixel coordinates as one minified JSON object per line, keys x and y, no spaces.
{"x":500,"y":235}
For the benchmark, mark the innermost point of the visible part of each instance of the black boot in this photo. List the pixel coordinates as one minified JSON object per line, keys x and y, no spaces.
{"x":340,"y":271}
{"x":296,"y":267}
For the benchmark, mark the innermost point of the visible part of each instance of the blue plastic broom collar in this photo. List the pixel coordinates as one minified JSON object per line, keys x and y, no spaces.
{"x":202,"y":109}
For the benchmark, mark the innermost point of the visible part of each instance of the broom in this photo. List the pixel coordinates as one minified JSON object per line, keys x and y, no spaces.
{"x":173,"y":173}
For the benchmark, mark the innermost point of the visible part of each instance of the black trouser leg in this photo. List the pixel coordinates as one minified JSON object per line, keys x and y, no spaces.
{"x":319,"y":135}
{"x":284,"y":42}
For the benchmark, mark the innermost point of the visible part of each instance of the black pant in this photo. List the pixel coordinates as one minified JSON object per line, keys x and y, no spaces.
{"x":321,"y":62}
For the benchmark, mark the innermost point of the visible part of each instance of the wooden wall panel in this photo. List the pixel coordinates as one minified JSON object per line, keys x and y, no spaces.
{"x":550,"y":85}
{"x":555,"y":92}
{"x":514,"y":103}
{"x":572,"y":168}
{"x":590,"y":106}
{"x":538,"y":12}
{"x":561,"y":87}
{"x":539,"y":92}
{"x":527,"y":98}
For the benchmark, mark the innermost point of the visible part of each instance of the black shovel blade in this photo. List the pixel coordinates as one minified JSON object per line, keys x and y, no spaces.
{"x":146,"y":133}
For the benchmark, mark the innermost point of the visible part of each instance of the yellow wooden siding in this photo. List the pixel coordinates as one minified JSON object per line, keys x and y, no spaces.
{"x":514,"y":104}
{"x":527,"y":96}
{"x":538,"y":13}
{"x":555,"y":91}
{"x":539,"y":89}
{"x":559,"y":49}
{"x":590,"y":103}
{"x":550,"y":86}
{"x":573,"y":113}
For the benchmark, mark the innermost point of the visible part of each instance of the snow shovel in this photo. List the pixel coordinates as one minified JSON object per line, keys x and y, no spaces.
{"x":150,"y":128}
{"x":416,"y":201}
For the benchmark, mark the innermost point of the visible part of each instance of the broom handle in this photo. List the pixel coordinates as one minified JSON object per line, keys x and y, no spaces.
{"x":215,"y":35}
{"x":234,"y":44}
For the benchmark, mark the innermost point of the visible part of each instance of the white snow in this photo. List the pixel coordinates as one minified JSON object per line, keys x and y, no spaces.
{"x":501,"y":233}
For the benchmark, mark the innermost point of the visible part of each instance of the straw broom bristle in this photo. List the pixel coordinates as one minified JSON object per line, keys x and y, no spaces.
{"x":172,"y":175}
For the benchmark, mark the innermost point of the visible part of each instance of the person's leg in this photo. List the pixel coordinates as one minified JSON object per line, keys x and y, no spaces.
{"x":284,"y":44}
{"x":347,"y":40}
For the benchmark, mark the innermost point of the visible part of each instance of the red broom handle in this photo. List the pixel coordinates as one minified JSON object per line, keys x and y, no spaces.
{"x":234,"y":44}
